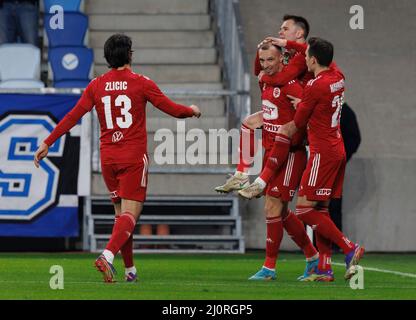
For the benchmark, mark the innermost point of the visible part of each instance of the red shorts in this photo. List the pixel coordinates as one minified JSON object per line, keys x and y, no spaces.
{"x":323,"y":178}
{"x":126,"y":181}
{"x":284,"y":183}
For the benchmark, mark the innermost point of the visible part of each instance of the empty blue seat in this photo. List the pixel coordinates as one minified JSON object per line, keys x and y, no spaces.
{"x":67,"y":5}
{"x":71,"y":84}
{"x":20,"y":66}
{"x":70,"y":63}
{"x":22,"y":84}
{"x":73,"y":33}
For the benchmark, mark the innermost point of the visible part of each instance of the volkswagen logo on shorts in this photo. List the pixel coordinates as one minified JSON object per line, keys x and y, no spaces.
{"x":117,"y":136}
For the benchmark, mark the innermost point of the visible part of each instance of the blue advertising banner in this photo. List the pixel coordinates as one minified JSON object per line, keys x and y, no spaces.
{"x":39,"y":202}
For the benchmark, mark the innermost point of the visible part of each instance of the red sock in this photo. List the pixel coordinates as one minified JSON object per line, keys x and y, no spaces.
{"x":247,"y":148}
{"x":325,"y":252}
{"x":324,"y":226}
{"x":127,"y":252}
{"x":122,"y":230}
{"x":274,"y":238}
{"x":277,"y":157}
{"x":324,"y":246}
{"x":296,"y":230}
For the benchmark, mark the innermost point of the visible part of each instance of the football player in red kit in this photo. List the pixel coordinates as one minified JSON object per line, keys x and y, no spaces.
{"x":120,"y":97}
{"x":320,"y":111}
{"x":278,"y":110}
{"x":294,"y":28}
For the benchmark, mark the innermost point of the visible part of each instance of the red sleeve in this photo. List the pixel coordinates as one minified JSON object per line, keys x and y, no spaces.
{"x":306,"y":106}
{"x":84,"y":105}
{"x":294,"y":89}
{"x":66,"y":124}
{"x":299,"y":47}
{"x":257,"y":65}
{"x":160,"y":101}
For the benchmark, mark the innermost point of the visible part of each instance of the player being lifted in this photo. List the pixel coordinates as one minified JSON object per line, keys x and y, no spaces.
{"x":119,"y":97}
{"x":294,"y":28}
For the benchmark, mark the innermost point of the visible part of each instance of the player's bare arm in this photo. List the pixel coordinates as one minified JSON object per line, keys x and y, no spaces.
{"x":195,"y":109}
{"x":41,"y":153}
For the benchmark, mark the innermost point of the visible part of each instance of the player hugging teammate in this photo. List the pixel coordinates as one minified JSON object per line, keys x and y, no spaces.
{"x":287,"y":113}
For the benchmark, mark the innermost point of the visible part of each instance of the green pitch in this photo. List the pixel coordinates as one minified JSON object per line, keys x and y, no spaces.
{"x":210,"y":277}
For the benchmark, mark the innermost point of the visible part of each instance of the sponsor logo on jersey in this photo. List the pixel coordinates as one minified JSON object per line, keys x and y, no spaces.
{"x":117,"y":136}
{"x":270,"y":111}
{"x":323,"y":192}
{"x":276,"y":92}
{"x":268,"y":240}
{"x":275,"y":189}
{"x":270,"y":127}
{"x":292,"y":192}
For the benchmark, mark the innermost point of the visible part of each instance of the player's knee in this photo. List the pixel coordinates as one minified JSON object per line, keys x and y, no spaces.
{"x":272,"y":209}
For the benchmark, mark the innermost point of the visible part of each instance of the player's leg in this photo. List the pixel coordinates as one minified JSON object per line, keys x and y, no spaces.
{"x":295,"y":166}
{"x":132,"y":184}
{"x":272,"y":208}
{"x":324,"y":246}
{"x":123,"y":228}
{"x":322,"y":180}
{"x":127,"y":251}
{"x":277,"y":157}
{"x":247,"y":151}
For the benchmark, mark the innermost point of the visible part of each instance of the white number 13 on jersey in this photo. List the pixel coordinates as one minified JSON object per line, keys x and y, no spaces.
{"x":124,"y":103}
{"x":337,"y":103}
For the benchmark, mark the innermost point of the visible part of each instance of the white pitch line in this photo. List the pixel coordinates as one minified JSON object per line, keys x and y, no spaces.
{"x":409,"y":275}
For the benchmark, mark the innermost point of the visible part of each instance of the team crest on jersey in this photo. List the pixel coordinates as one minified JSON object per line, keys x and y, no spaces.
{"x":276,"y":93}
{"x":117,"y":136}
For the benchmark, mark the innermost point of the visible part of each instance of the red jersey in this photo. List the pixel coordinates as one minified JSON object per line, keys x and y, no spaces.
{"x":277,"y":109}
{"x":320,"y":110}
{"x":120,"y":98}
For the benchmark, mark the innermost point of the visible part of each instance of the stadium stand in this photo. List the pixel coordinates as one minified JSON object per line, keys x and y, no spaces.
{"x":69,"y":59}
{"x":20,"y":66}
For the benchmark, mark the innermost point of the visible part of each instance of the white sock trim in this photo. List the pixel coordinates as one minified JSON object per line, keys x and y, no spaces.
{"x":315,"y":257}
{"x":132,"y":270}
{"x":269,"y":268}
{"x":109,"y":256}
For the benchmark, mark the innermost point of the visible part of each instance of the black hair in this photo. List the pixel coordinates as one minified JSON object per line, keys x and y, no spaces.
{"x":117,"y":50}
{"x":322,"y":50}
{"x":300,"y":22}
